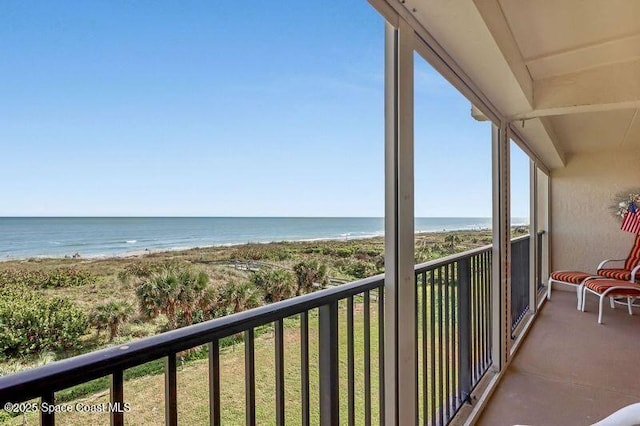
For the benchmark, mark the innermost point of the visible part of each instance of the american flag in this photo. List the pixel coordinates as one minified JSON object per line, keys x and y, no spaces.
{"x":631,"y":220}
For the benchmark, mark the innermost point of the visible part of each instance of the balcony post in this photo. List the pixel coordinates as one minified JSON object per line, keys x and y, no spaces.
{"x":328,"y":365}
{"x":400,"y":316}
{"x":464,"y":321}
{"x":501,"y":279}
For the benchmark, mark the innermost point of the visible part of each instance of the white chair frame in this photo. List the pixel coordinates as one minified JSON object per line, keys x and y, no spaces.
{"x":634,"y":271}
{"x":609,"y":293}
{"x":576,"y":286}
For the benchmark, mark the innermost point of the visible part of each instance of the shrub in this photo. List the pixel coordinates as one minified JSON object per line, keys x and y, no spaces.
{"x":30,"y":323}
{"x":176,"y":293}
{"x":344,"y":252}
{"x":68,"y":277}
{"x":360,"y":269}
{"x":61,"y":277}
{"x":110,"y":316}
{"x":309,"y":272}
{"x":277,"y":284}
{"x":452,"y":240}
{"x":239,"y":296}
{"x":278,"y":254}
{"x":146,"y":269}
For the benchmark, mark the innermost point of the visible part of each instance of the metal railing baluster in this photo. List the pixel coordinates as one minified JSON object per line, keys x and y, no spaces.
{"x":367,"y":358}
{"x":425,"y":350}
{"x":432,"y":352}
{"x":381,"y":343}
{"x":47,"y":417}
{"x":328,"y":365}
{"x":214,"y":383}
{"x":445,"y":325}
{"x":304,"y":366}
{"x":250,"y":377}
{"x":351,"y":388}
{"x":279,"y":360}
{"x":117,"y":398}
{"x":171,"y":390}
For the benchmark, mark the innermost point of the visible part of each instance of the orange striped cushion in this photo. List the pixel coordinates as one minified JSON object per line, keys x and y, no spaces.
{"x":600,"y":286}
{"x":616,"y":274}
{"x":634,"y":256}
{"x":572,"y":277}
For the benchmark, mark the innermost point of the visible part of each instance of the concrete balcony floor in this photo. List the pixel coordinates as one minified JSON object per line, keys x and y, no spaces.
{"x":570,"y":370}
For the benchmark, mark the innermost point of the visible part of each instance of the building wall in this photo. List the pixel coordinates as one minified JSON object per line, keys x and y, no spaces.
{"x":583,"y":227}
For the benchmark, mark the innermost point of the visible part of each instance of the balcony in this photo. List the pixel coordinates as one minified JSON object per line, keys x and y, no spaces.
{"x":453,"y":341}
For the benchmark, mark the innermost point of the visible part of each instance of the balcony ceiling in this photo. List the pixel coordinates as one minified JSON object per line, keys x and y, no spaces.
{"x":569,"y":69}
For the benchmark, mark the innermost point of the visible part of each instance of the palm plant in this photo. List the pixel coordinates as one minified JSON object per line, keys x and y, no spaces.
{"x":177,"y":293}
{"x":452,"y":240}
{"x":308,"y":273}
{"x":110,"y":316}
{"x":240,"y":296}
{"x":277,"y":284}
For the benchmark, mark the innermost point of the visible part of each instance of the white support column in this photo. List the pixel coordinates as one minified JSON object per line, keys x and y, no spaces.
{"x":548,"y":254}
{"x":543,"y":220}
{"x":400,"y":316}
{"x":501,"y":290}
{"x":533,"y":240}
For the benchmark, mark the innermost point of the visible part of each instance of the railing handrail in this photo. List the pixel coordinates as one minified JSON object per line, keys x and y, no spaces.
{"x":83,"y":368}
{"x":520,"y":238}
{"x":431,"y":264}
{"x":459,"y":256}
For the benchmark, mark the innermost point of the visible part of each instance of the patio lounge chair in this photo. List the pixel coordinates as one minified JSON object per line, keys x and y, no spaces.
{"x":570,"y":278}
{"x":605,"y":287}
{"x":629,"y":272}
{"x":631,"y":269}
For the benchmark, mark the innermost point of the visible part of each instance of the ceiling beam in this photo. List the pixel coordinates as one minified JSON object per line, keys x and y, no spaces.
{"x":493,"y":16}
{"x":585,"y":57}
{"x":610,"y":87}
{"x":497,"y":24}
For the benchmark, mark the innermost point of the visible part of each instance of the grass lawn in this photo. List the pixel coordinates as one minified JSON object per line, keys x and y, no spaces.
{"x":146,"y":394}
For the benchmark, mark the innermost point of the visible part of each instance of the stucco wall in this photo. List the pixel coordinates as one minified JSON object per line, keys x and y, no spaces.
{"x":584,"y":230}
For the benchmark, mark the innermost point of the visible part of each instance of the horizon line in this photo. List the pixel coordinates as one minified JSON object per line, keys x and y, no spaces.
{"x":229,"y":217}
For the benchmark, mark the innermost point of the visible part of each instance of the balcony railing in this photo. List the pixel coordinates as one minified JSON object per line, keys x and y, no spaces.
{"x":539,"y":253}
{"x":44,"y":382}
{"x":453,"y":331}
{"x":519,"y":279}
{"x":453,"y":340}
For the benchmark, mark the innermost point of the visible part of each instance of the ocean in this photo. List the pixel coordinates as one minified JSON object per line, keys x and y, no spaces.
{"x":26,"y":237}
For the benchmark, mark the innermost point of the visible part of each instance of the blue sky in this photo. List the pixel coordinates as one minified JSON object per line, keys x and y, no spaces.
{"x":219,"y":109}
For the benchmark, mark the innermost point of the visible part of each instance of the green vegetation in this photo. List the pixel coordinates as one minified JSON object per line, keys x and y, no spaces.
{"x":31,"y":323}
{"x":240,"y":296}
{"x":110,"y":316}
{"x":277,"y":284}
{"x":144,"y":385}
{"x":140,"y":296}
{"x":177,"y":293}
{"x":309,"y":273}
{"x":62,"y":277}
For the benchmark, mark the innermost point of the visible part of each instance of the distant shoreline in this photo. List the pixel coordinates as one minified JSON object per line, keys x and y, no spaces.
{"x":103,"y":238}
{"x":143,"y":252}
